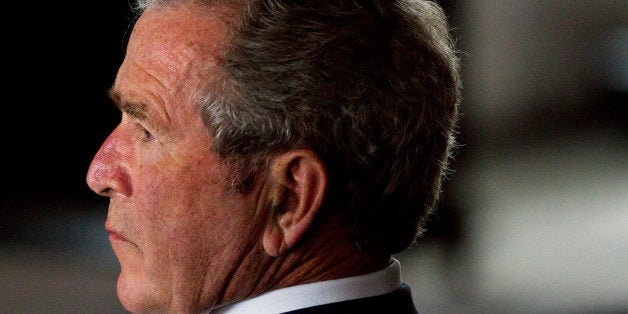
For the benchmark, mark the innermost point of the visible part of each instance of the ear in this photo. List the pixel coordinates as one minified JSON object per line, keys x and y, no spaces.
{"x":299,"y":186}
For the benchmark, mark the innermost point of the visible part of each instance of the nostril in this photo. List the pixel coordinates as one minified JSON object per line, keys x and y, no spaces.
{"x":105,"y":192}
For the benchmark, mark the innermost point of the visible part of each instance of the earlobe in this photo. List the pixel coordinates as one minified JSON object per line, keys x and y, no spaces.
{"x":299,"y":180}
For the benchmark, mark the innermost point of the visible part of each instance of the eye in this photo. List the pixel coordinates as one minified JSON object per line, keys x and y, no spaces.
{"x":147,"y":135}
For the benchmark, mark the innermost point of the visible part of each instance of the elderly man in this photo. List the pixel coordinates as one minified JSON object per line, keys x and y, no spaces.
{"x":272,"y":156}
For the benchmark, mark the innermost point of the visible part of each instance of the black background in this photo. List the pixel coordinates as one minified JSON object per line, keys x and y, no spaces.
{"x":60,"y":59}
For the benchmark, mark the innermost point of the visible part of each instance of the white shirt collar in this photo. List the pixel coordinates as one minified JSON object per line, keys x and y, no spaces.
{"x":301,"y":296}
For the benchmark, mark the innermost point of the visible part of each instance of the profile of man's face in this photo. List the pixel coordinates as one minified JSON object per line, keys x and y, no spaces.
{"x":181,"y":236}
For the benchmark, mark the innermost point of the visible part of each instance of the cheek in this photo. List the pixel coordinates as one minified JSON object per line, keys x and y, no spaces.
{"x":181,"y":211}
{"x":175,"y":219}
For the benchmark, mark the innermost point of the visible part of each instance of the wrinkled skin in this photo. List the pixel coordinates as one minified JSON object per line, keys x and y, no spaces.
{"x":184,"y":240}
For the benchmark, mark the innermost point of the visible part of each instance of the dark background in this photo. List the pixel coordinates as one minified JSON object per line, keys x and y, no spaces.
{"x":534,"y":216}
{"x":61,"y":58}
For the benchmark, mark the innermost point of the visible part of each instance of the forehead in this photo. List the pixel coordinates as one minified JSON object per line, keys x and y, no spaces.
{"x":178,"y":34}
{"x":171,"y":55}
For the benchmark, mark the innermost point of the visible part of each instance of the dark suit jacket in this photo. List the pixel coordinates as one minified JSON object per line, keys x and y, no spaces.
{"x":397,"y":302}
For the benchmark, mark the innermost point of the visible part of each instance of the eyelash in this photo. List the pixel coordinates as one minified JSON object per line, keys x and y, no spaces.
{"x":146,"y":135}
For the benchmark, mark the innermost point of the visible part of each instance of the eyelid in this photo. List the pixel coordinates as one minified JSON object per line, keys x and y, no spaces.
{"x":147,"y":134}
{"x":140,"y":127}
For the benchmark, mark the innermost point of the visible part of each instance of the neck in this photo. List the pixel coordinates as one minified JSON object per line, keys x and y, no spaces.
{"x":325,"y":254}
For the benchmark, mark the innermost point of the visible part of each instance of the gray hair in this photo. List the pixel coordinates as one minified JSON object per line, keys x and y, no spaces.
{"x":373,"y":87}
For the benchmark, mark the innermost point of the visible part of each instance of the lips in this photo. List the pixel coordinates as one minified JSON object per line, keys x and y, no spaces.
{"x":115,"y":236}
{"x":117,"y":239}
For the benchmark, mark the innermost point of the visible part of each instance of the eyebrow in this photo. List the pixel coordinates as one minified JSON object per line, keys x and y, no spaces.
{"x":136,"y":110}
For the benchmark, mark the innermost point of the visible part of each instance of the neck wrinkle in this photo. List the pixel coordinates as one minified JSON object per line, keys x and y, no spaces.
{"x":325,"y":254}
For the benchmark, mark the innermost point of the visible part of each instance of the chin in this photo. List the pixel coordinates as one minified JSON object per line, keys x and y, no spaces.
{"x":136,"y":296}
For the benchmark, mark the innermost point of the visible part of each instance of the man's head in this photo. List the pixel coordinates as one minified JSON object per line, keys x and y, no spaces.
{"x":371,"y":86}
{"x":254,"y":132}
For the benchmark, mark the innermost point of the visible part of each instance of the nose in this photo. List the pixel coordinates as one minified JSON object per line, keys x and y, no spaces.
{"x":108,"y":171}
